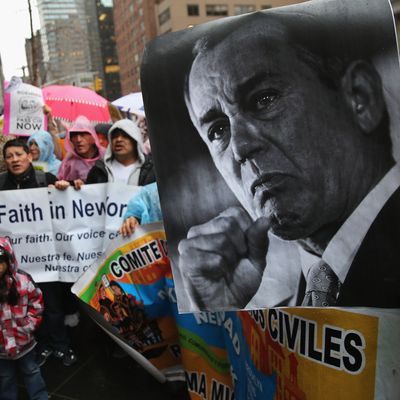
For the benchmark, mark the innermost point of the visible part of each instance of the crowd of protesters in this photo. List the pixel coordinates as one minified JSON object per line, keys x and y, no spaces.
{"x":88,"y":154}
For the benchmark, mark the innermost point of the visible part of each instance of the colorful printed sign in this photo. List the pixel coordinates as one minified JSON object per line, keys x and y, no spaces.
{"x":272,"y":354}
{"x":314,"y":354}
{"x":127,"y":285}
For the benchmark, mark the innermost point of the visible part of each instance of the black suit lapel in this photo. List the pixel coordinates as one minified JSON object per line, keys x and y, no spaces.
{"x":374,"y":276}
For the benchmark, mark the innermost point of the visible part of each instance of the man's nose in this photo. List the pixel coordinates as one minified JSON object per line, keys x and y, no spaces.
{"x":244,"y":137}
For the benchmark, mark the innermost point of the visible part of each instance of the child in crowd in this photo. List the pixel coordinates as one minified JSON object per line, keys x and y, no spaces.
{"x":21,"y":306}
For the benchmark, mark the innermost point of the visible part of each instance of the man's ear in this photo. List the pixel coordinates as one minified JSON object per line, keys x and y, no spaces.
{"x":362,"y":87}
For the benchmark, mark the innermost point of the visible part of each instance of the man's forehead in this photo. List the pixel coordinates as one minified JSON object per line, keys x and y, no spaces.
{"x":260,"y":31}
{"x":15,"y":148}
{"x":241,"y":50}
{"x":222,"y":71}
{"x":118,"y":131}
{"x":79,"y":133}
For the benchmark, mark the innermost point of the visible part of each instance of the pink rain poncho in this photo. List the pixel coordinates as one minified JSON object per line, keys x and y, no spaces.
{"x":74,"y":166}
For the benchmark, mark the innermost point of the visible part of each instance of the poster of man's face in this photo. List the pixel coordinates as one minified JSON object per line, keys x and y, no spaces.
{"x":274,"y":141}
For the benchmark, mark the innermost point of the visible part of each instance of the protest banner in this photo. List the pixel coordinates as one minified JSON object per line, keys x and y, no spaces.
{"x":245,"y":138}
{"x":314,"y":354}
{"x":23,"y":104}
{"x":134,"y":275}
{"x":203,"y":352}
{"x":56,"y":234}
{"x":244,"y":355}
{"x":127,"y":286}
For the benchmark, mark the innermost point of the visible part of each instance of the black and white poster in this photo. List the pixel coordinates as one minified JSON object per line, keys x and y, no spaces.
{"x":275,"y":140}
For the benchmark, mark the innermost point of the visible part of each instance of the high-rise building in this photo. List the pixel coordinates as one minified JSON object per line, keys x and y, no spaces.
{"x":138,"y":21}
{"x":65,"y":42}
{"x":135,"y":25}
{"x":41,"y":72}
{"x":108,"y":82}
{"x":93,"y":37}
{"x":174,"y":15}
{"x":1,"y":87}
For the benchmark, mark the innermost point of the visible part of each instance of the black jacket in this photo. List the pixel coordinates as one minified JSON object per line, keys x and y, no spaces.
{"x":27,"y":180}
{"x":374,"y":276}
{"x":99,"y":174}
{"x":373,"y":279}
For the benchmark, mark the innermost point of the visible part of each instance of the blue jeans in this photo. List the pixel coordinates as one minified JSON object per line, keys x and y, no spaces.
{"x":30,"y":372}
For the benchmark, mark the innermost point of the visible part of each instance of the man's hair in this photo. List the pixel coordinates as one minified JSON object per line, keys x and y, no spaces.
{"x":74,"y":133}
{"x":305,"y":35}
{"x":118,"y":131}
{"x":308,"y":48}
{"x":15,"y":143}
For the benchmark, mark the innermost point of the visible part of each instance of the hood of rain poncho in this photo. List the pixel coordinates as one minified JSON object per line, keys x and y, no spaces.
{"x":74,"y":166}
{"x":5,"y":246}
{"x":130,"y":128}
{"x":81,"y":124}
{"x":145,"y":205}
{"x":45,"y":143}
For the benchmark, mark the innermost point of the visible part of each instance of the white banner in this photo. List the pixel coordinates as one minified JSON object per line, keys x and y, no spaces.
{"x":56,"y":234}
{"x":23,"y":104}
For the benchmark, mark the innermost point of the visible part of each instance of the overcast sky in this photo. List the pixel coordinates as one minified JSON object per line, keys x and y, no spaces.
{"x":14,"y":28}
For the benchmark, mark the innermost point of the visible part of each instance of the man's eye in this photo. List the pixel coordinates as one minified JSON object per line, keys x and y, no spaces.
{"x":218,"y":131}
{"x":263,"y":100}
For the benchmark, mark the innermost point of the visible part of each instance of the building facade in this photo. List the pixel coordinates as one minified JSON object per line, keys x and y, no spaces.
{"x":138,"y":21}
{"x":174,"y":15}
{"x":108,"y":82}
{"x":34,"y":62}
{"x":65,"y":41}
{"x":135,"y":25}
{"x":1,"y":88}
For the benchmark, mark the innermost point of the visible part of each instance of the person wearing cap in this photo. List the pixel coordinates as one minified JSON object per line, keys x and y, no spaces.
{"x":83,"y":150}
{"x":124,"y":160}
{"x":21,"y":308}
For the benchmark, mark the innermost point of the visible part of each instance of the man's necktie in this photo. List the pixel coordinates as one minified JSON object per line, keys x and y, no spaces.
{"x":322,"y":286}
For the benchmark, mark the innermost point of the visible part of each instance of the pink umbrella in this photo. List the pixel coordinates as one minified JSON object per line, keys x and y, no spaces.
{"x":68,"y":102}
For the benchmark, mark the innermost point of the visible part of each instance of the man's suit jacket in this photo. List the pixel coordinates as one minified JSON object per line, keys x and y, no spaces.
{"x":374,"y":276}
{"x":372,"y":281}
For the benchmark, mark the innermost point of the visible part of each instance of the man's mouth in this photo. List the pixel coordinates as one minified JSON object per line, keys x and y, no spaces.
{"x":267,"y":183}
